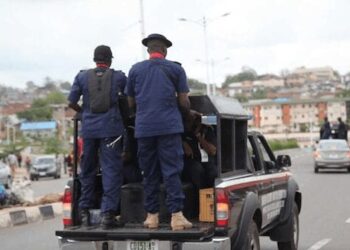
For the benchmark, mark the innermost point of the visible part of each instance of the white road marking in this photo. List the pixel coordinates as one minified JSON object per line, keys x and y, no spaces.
{"x":347,"y":221}
{"x":319,"y":244}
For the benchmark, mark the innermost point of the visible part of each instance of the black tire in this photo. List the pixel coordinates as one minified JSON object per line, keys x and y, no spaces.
{"x":32,"y":178}
{"x":348,"y":169}
{"x":316,"y":169}
{"x":293,"y":244}
{"x":252,"y":242}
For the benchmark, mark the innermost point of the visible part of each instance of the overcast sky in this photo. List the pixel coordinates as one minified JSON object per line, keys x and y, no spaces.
{"x":56,"y":38}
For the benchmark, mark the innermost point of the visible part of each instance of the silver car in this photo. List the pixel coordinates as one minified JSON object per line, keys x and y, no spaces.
{"x":5,"y":175}
{"x":332,"y":154}
{"x":44,"y":166}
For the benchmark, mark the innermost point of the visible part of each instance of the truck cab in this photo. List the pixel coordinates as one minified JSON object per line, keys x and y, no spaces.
{"x":254,"y":195}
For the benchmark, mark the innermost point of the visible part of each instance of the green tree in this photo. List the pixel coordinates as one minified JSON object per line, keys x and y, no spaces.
{"x":65,"y":85}
{"x":36,"y":114}
{"x":343,"y":93}
{"x":241,"y":97}
{"x":195,"y":84}
{"x":259,"y":94}
{"x":53,"y":146}
{"x":55,"y":97}
{"x":39,"y":111}
{"x":242,"y":76}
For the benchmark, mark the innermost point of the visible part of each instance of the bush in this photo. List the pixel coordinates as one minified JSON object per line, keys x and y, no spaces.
{"x":283,"y":144}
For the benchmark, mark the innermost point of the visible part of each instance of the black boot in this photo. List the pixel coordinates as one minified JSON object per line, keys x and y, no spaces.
{"x":109,"y":221}
{"x":85,"y":217}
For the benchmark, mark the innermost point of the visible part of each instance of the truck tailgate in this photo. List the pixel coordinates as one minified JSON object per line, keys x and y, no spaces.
{"x":200,"y":231}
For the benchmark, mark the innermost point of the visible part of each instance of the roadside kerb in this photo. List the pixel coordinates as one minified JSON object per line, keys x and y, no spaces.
{"x":12,"y":216}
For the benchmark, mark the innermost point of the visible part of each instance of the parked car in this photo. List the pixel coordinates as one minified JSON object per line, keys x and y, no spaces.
{"x":44,"y":166}
{"x":332,"y":154}
{"x":5,"y":175}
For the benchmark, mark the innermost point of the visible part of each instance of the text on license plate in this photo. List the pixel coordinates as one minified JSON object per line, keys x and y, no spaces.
{"x":143,"y":245}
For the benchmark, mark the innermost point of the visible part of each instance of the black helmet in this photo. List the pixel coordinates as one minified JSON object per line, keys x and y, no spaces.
{"x":157,"y":37}
{"x":103,"y":53}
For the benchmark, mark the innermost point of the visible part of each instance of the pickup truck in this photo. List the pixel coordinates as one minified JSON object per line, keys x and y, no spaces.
{"x":254,"y":195}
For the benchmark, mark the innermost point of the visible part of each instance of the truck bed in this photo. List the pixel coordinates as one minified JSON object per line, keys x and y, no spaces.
{"x":200,"y":231}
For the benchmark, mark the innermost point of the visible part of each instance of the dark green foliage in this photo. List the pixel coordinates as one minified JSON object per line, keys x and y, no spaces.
{"x":195,"y":84}
{"x":259,"y":94}
{"x":41,"y":110}
{"x":242,"y":76}
{"x":53,"y":146}
{"x":283,"y":144}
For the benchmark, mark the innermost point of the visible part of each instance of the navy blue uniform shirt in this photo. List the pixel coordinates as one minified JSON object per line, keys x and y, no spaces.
{"x":157,"y":111}
{"x":99,"y":125}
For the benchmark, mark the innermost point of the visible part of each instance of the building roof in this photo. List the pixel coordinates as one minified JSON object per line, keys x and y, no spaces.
{"x":44,"y":125}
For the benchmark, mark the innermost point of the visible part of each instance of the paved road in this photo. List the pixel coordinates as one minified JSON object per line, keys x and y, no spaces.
{"x":35,"y":236}
{"x":49,"y":185}
{"x":325,"y":215}
{"x":324,"y":220}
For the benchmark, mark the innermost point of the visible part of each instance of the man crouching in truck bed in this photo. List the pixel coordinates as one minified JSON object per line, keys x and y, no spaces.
{"x":101,"y":127}
{"x":155,"y":87}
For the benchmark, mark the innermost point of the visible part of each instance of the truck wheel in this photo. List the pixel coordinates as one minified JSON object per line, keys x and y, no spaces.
{"x":293,"y":244}
{"x":252,"y":242}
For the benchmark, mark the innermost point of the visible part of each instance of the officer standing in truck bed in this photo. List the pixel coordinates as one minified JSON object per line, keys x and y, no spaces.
{"x":101,"y":127}
{"x":155,"y":87}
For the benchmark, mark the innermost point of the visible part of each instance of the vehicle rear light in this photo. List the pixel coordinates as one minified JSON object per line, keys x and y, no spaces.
{"x":67,"y":207}
{"x":222,"y":208}
{"x":348,"y":154}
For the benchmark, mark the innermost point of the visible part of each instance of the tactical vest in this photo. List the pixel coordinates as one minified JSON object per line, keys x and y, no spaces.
{"x":99,"y":86}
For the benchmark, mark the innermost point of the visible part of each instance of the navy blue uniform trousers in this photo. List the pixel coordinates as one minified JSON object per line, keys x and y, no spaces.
{"x":109,"y":158}
{"x":162,"y":156}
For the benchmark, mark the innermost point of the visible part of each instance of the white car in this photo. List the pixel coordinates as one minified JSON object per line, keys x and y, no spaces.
{"x":5,"y":175}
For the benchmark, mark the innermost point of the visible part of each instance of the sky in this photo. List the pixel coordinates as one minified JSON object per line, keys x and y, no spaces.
{"x":56,"y":38}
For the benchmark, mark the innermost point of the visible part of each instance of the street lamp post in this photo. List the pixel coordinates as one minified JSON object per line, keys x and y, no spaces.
{"x":142,"y":27}
{"x":204,"y":22}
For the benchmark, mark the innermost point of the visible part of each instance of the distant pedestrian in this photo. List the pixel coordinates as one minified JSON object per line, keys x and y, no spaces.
{"x":28,"y":163}
{"x":325,"y":129}
{"x":19,"y":159}
{"x":341,"y":129}
{"x":65,"y":163}
{"x":13,"y":162}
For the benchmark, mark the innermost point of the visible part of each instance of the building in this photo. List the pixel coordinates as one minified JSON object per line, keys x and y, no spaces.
{"x":317,"y":74}
{"x":39,"y":129}
{"x":292,"y":115}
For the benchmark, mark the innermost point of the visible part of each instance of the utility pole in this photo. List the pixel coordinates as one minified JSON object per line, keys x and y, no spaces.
{"x":142,"y":27}
{"x":206,"y":53}
{"x":204,"y":22}
{"x":8,"y":133}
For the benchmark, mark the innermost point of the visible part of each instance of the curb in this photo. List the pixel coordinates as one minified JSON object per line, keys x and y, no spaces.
{"x":24,"y":215}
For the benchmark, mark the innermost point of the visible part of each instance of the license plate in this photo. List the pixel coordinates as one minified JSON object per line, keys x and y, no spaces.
{"x":42,"y":173}
{"x":142,"y":245}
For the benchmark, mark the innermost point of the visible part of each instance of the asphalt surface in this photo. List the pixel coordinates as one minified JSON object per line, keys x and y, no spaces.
{"x":324,"y":219}
{"x":325,"y":214}
{"x":35,"y":236}
{"x":47,"y":185}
